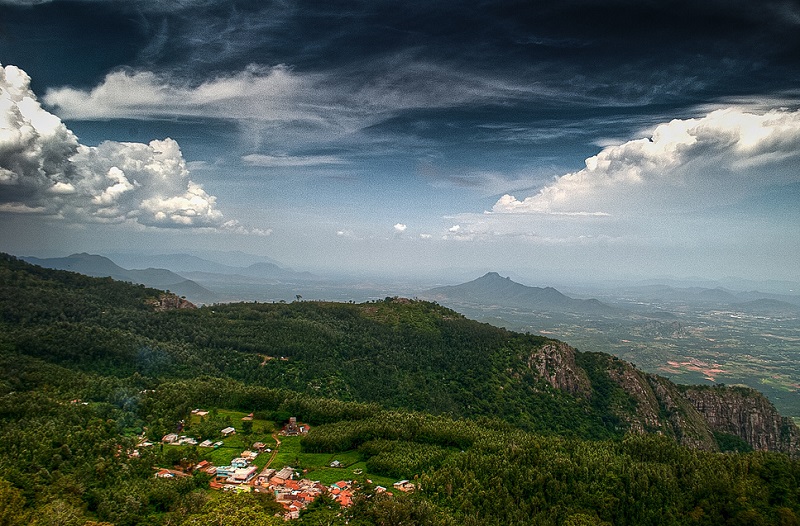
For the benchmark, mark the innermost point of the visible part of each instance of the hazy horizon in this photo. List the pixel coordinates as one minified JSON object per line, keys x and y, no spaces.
{"x":577,"y":141}
{"x":408,"y":284}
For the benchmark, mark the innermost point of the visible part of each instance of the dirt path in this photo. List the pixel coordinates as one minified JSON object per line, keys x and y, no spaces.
{"x":274,"y":451}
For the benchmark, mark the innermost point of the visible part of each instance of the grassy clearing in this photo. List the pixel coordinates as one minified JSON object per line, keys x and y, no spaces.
{"x":317,"y":465}
{"x":221,"y":456}
{"x":288,"y":453}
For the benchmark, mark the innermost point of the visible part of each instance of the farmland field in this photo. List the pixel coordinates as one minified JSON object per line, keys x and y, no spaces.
{"x":690,"y":344}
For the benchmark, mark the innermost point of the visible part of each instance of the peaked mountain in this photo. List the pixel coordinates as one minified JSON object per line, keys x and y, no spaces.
{"x":101,"y":267}
{"x":493,"y":289}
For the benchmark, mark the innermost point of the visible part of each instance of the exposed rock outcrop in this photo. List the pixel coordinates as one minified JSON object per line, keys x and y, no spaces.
{"x":648,"y":403}
{"x":655,"y":405}
{"x":686,"y":423}
{"x":171,"y":302}
{"x":555,"y":363}
{"x":747,"y":414}
{"x":645,"y":416}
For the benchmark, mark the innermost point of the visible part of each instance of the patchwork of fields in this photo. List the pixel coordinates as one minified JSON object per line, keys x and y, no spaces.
{"x":690,"y":344}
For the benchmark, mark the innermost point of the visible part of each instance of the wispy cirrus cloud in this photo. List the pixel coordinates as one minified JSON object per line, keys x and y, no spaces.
{"x":256,"y":93}
{"x":286,"y":161}
{"x":333,"y":101}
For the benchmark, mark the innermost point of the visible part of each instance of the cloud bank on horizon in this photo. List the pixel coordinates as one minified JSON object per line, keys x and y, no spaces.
{"x":45,"y":170}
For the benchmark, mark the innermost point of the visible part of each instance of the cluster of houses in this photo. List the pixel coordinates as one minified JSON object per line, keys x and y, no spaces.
{"x":240,"y":471}
{"x":174,"y":440}
{"x":292,"y":492}
{"x":293,"y":495}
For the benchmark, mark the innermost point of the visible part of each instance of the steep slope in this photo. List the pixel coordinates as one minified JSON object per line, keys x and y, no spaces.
{"x":747,"y":414}
{"x":493,"y":289}
{"x":398,"y":353}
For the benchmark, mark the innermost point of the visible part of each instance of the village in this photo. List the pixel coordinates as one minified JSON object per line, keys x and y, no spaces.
{"x":289,"y":485}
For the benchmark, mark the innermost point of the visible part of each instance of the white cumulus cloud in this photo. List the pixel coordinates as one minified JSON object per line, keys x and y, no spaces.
{"x":715,"y":158}
{"x":45,"y":170}
{"x":35,"y":146}
{"x":661,"y":189}
{"x":400,"y":227}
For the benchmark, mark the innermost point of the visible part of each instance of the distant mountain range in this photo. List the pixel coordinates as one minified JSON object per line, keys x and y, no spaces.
{"x":495,"y":290}
{"x":198,"y":279}
{"x":101,"y":267}
{"x":204,"y":269}
{"x":703,"y":296}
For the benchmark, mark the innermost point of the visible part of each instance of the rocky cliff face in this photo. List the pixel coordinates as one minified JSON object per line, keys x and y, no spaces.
{"x":555,"y":363}
{"x":170,"y":302}
{"x":747,"y":414}
{"x":686,"y":423}
{"x":691,"y":415}
{"x":657,"y":406}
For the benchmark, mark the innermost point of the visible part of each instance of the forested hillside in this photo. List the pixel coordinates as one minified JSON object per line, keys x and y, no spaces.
{"x":399,"y":353}
{"x":497,"y":427}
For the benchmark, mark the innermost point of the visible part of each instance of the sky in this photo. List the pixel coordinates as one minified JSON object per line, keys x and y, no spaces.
{"x":574,"y":139}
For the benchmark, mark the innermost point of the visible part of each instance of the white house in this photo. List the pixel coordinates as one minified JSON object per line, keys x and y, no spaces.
{"x":228,"y":431}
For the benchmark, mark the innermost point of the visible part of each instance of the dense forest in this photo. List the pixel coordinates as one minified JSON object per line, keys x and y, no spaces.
{"x":416,"y":390}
